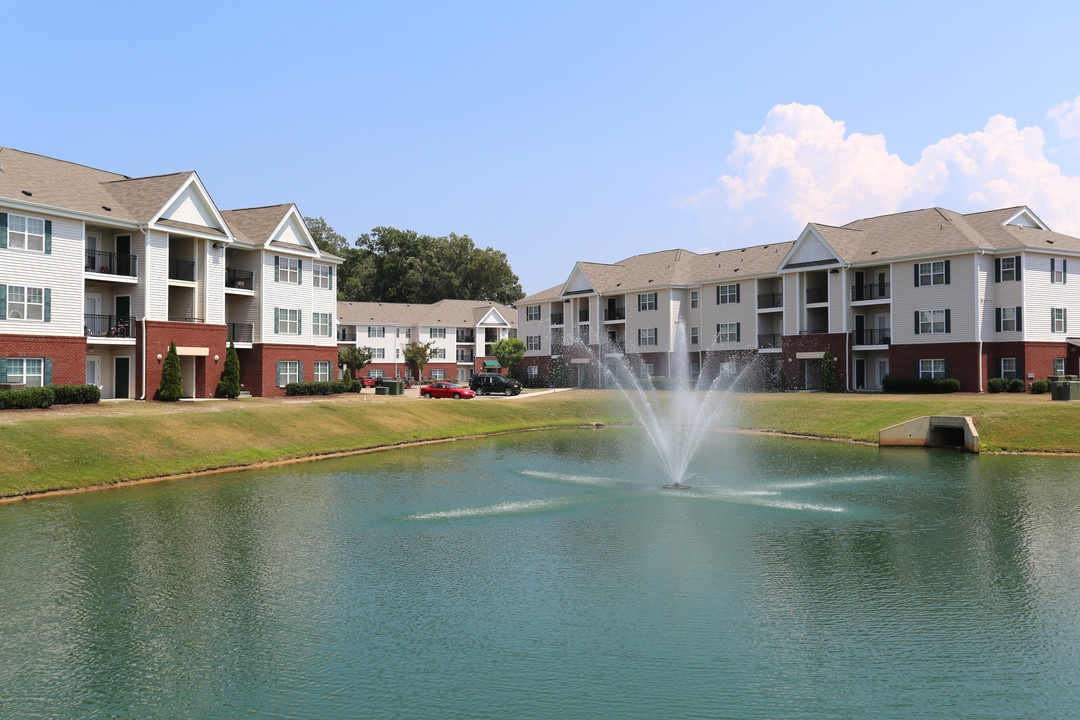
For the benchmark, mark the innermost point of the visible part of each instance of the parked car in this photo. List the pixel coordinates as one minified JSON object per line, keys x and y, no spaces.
{"x":446,"y":390}
{"x":488,"y":383}
{"x":367,"y":381}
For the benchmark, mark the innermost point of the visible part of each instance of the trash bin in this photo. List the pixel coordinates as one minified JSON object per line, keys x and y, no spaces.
{"x":382,"y":390}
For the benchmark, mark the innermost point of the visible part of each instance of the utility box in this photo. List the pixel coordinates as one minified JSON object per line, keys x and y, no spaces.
{"x":1064,"y":387}
{"x":382,"y":390}
{"x":396,"y":387}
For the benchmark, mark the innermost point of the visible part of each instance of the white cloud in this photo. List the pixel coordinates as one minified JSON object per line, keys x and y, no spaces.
{"x":802,"y":167}
{"x":1066,"y":117}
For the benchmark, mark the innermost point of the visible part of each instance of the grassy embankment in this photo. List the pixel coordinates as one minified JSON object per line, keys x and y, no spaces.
{"x":73,"y":447}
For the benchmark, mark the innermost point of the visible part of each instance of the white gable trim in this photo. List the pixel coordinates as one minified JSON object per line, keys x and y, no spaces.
{"x":493,"y":317}
{"x":810,"y":250}
{"x":293,"y":230}
{"x":1026,"y":218}
{"x":191,"y":204}
{"x":578,"y":283}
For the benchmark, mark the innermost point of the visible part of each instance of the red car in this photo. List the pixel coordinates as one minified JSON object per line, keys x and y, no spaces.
{"x":446,"y":390}
{"x":367,"y":381}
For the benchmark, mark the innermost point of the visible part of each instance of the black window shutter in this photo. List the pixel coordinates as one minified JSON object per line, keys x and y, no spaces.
{"x":1019,"y":318}
{"x":1064,"y":320}
{"x":717,"y":294}
{"x":916,"y":274}
{"x":738,"y":294}
{"x":997,"y":270}
{"x":738,"y":332}
{"x":916,"y":322}
{"x":947,"y":264}
{"x":948,"y":368}
{"x":1064,"y":274}
{"x":48,"y":237}
{"x":3,"y":230}
{"x":1052,"y":261}
{"x":948,"y":320}
{"x":997,"y":319}
{"x":1019,"y":267}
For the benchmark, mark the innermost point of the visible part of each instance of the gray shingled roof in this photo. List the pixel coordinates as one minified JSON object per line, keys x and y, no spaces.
{"x":255,"y":225}
{"x":446,"y":313}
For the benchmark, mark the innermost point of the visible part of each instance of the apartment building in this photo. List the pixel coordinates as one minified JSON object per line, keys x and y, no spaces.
{"x":463,"y":332}
{"x":100,"y":272}
{"x":927,"y":293}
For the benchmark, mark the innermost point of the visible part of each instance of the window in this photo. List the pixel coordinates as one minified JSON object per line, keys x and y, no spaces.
{"x":26,"y":233}
{"x":1007,"y":269}
{"x":25,"y":303}
{"x":321,"y":324}
{"x":376,"y":332}
{"x":646,"y":336}
{"x":532,"y":312}
{"x":1057,"y":270}
{"x":378,"y":353}
{"x":438,"y":374}
{"x":727,"y":332}
{"x":320,"y":276}
{"x":288,"y":371}
{"x":647,"y":370}
{"x":532,"y":342}
{"x":1059,"y":366}
{"x":287,"y":321}
{"x":437,"y":333}
{"x":693,"y":336}
{"x":440,"y":354}
{"x":1008,"y":367}
{"x":376,"y":374}
{"x":646,"y":301}
{"x":727,"y":294}
{"x":1058,"y":320}
{"x":26,"y":371}
{"x":1009,"y":319}
{"x":932,"y":322}
{"x":322,"y":371}
{"x":693,"y":298}
{"x":695,"y":370}
{"x":532,"y":372}
{"x":932,"y":369}
{"x":932,"y":273}
{"x":287,"y":270}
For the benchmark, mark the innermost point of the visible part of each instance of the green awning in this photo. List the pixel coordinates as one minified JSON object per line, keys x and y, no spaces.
{"x":491,"y":364}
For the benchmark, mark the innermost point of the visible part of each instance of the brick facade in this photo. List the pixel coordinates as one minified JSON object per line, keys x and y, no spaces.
{"x":258,"y":366}
{"x":185,"y":335}
{"x":68,"y":355}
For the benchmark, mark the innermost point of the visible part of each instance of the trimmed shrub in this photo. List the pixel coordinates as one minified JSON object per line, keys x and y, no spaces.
{"x":27,"y":398}
{"x":923,"y":386}
{"x":76,"y":394}
{"x":332,"y":387}
{"x":1040,"y":386}
{"x":172,"y":382}
{"x":229,"y":384}
{"x":997,"y":384}
{"x":1016,"y":385}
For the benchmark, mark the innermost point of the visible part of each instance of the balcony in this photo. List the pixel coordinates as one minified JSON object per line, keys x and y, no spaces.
{"x":181,"y":319}
{"x":874,"y":291}
{"x":770,"y":300}
{"x":583,"y":316}
{"x":817,"y":295}
{"x":112,"y":326}
{"x":876,"y":336}
{"x":614,"y":314}
{"x":182,"y":270}
{"x":241,"y":332}
{"x":235,"y":279}
{"x":110,"y":263}
{"x":769,"y":341}
{"x":465,"y":356}
{"x":466,"y":336}
{"x":346,"y":334}
{"x":556,"y":318}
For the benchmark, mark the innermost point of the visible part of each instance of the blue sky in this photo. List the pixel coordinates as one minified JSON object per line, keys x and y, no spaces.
{"x":561,"y":131}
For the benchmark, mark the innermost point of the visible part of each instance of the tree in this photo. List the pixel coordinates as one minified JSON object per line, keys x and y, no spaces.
{"x":172,"y":382}
{"x":353,"y":358}
{"x":418,"y":354}
{"x":508,"y":352}
{"x":325,"y":238}
{"x":828,"y":372}
{"x":229,"y":384}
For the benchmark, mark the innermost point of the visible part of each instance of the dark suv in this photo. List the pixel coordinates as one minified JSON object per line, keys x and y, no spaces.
{"x":486,"y":383}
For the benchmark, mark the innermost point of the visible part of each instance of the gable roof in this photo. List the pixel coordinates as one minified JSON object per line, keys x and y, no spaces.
{"x":444,"y":313}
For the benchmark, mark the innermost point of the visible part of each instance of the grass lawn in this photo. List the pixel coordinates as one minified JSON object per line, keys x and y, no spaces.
{"x":82,"y":446}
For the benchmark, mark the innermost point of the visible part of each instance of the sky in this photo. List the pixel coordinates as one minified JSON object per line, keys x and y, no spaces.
{"x":564,"y":131}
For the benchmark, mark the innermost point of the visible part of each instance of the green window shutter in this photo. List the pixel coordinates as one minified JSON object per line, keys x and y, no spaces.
{"x":277,"y":323}
{"x":738,"y":288}
{"x":997,"y":319}
{"x":1064,"y":272}
{"x":3,"y":302}
{"x":948,"y":320}
{"x":1052,"y":261}
{"x":3,"y":230}
{"x":300,"y":371}
{"x":1052,"y":320}
{"x":916,"y":322}
{"x":299,"y":322}
{"x":1064,"y":320}
{"x":3,"y":370}
{"x":48,"y":237}
{"x":1019,"y":317}
{"x":277,"y":268}
{"x":947,"y":264}
{"x":277,"y":379}
{"x":331,"y":277}
{"x":47,"y":380}
{"x":738,"y":328}
{"x":48,"y":305}
{"x":299,"y":272}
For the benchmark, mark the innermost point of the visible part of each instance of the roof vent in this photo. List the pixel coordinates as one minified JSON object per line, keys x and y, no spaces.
{"x":1050,"y":242}
{"x":106,"y":208}
{"x":27,"y":193}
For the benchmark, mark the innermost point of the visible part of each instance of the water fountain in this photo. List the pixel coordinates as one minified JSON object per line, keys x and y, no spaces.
{"x":677,"y":421}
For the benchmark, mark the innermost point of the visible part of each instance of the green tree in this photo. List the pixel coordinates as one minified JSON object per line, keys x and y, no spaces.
{"x":326,"y":238}
{"x":509,"y":353}
{"x":828,"y":372}
{"x":229,"y":384}
{"x":172,"y":382}
{"x":418,"y":354}
{"x":353,"y":358}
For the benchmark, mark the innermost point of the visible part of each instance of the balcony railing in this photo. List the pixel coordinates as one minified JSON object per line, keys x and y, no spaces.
{"x":241,"y":332}
{"x":346,"y":334}
{"x":237,"y":279}
{"x":100,"y":261}
{"x":770,"y":300}
{"x":182,"y":270}
{"x":556,"y":318}
{"x":583,"y":316}
{"x":769,"y":340}
{"x":817,"y":295}
{"x":614,"y":314}
{"x":179,"y":318}
{"x":108,"y":326}
{"x":875,"y":336}
{"x":874,"y":291}
{"x":465,"y":356}
{"x":466,"y":337}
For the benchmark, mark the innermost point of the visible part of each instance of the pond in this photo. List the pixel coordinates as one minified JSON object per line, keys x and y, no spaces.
{"x":547,"y":575}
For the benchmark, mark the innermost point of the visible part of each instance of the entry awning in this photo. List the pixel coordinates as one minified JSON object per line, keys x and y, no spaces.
{"x":810,"y":355}
{"x":194,"y":351}
{"x":491,"y":364}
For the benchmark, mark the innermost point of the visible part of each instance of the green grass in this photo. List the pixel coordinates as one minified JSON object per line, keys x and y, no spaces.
{"x":75,"y":447}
